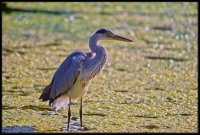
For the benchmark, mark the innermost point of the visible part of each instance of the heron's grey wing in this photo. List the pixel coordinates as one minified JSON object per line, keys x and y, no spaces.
{"x":66,"y":75}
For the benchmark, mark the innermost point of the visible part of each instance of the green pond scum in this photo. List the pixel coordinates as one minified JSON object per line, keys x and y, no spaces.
{"x":149,"y":85}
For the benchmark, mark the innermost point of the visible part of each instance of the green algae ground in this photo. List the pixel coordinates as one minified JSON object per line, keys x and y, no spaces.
{"x":148,"y":86}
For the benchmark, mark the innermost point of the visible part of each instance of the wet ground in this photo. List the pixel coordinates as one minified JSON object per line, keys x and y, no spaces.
{"x":147,"y":86}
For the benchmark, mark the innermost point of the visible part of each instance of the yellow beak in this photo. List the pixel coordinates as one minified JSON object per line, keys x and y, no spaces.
{"x":116,"y":37}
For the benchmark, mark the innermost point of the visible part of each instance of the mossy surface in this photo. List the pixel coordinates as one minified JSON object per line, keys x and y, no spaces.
{"x":149,"y":85}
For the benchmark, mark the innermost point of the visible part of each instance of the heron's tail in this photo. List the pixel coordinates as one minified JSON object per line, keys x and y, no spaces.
{"x":46,"y":93}
{"x":60,"y":102}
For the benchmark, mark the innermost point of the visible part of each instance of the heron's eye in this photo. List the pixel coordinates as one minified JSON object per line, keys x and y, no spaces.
{"x":109,"y":33}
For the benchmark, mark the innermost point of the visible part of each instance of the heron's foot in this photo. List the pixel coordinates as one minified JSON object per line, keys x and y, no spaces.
{"x":74,"y":125}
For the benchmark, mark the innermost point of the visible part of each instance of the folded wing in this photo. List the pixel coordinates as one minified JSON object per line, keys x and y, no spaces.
{"x":65,"y":76}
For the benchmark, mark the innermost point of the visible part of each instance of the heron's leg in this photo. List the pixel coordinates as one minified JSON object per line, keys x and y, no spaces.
{"x":80,"y":113}
{"x":69,"y":114}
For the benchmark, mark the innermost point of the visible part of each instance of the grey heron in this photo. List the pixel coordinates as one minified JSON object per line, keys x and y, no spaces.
{"x":72,"y":78}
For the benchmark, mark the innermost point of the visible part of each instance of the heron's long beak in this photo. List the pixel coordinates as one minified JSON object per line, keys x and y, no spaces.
{"x":116,"y":37}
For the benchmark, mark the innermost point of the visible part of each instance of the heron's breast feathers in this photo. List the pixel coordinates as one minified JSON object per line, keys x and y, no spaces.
{"x":79,"y":89}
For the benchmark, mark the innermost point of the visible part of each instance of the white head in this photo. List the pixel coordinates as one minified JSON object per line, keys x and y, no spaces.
{"x":107,"y":34}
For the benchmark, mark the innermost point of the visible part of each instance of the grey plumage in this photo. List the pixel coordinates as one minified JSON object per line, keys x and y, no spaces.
{"x":76,"y":72}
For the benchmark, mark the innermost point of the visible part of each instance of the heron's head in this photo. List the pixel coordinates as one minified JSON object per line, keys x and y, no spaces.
{"x":107,"y":34}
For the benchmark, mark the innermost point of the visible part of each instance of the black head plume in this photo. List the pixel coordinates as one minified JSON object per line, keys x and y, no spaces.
{"x":102,"y":30}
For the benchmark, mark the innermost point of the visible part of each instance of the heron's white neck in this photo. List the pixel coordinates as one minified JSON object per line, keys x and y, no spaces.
{"x":101,"y":53}
{"x":93,"y":42}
